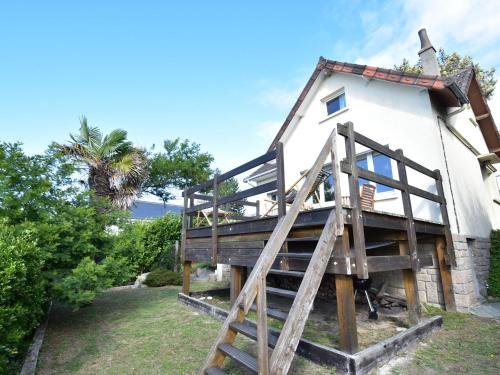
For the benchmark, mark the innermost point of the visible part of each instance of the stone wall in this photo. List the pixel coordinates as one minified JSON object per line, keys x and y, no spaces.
{"x":469,"y":277}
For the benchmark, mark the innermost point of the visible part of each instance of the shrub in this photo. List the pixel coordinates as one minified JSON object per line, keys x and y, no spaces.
{"x":129,"y":243}
{"x":82,"y":285}
{"x":22,"y":291}
{"x":118,"y":271}
{"x":162,"y":277}
{"x":494,"y":276}
{"x":159,"y":241}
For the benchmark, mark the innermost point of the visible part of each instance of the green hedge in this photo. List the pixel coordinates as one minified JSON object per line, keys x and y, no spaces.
{"x":22,"y":292}
{"x":162,"y":277}
{"x":494,"y":276}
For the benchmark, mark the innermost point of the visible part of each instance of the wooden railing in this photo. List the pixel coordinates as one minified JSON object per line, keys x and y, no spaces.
{"x":215,"y":201}
{"x":350,"y":167}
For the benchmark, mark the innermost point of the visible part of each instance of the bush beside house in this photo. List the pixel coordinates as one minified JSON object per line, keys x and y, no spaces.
{"x":494,"y":276}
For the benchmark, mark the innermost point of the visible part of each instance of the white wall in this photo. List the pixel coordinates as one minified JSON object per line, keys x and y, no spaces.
{"x":475,"y":212}
{"x":400,"y":117}
{"x":391,"y":114}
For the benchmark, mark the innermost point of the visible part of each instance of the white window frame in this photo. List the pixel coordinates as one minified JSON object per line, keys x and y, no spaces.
{"x":332,"y":96}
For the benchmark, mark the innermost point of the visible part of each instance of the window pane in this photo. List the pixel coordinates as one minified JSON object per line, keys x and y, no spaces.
{"x":382,"y":165}
{"x":329,"y":189}
{"x":362,"y":163}
{"x":335,"y":104}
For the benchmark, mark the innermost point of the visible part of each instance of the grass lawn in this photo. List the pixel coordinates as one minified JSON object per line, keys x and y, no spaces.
{"x":466,"y":344}
{"x":136,"y":331}
{"x":145,"y":331}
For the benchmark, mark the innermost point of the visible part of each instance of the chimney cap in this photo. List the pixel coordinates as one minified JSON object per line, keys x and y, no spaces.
{"x":425,"y":43}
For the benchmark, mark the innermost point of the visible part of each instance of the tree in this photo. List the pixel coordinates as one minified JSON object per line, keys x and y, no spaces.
{"x":451,"y":64}
{"x":182,"y":164}
{"x":116,"y":169}
{"x":230,"y":187}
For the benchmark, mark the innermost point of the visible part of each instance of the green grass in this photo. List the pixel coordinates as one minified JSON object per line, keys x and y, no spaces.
{"x":466,"y":344}
{"x":136,"y":331}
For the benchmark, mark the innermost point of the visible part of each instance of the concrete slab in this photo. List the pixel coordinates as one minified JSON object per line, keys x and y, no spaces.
{"x":487,"y":310}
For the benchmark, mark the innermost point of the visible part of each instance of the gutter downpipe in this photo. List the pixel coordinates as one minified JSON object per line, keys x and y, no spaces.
{"x":439,"y":119}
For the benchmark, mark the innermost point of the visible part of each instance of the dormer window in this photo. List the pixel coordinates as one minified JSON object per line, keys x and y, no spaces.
{"x":335,"y":104}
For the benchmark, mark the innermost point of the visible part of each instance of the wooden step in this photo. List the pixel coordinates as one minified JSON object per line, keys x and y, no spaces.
{"x":273,"y":313}
{"x":239,"y":356}
{"x":215,"y":371}
{"x":296,"y":255}
{"x":250,"y":331}
{"x":281,"y":292}
{"x":286,"y":273}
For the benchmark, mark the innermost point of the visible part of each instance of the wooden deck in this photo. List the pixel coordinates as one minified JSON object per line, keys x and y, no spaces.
{"x":342,"y":240}
{"x":240,"y":243}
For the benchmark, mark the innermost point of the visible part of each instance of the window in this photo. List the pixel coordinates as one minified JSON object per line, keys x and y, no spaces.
{"x":335,"y":104}
{"x":377,"y":163}
{"x":371,"y":161}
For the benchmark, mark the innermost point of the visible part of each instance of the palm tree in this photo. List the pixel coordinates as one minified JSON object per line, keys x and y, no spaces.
{"x":116,"y":169}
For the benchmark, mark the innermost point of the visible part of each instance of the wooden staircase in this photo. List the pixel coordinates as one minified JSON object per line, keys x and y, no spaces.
{"x":253,"y":295}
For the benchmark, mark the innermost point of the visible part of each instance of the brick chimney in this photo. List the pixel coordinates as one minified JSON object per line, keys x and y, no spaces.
{"x":427,"y":55}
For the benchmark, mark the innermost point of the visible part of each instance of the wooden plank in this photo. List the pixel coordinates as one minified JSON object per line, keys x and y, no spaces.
{"x":281,"y":193}
{"x":215,"y":358}
{"x":445,"y":271}
{"x":264,"y":188}
{"x":367,"y":142}
{"x":184,"y":228}
{"x":227,"y":245}
{"x":215,"y":220}
{"x":446,"y":220}
{"x":424,"y":194}
{"x":420,"y":168}
{"x":234,"y":172}
{"x":409,"y":247}
{"x":280,"y":179}
{"x":346,"y":308}
{"x":283,"y":353}
{"x":372,"y":176}
{"x":262,"y":340}
{"x":236,"y":283}
{"x":411,"y":288}
{"x":314,"y":219}
{"x":335,"y":159}
{"x":356,"y":213}
{"x":186,"y":277}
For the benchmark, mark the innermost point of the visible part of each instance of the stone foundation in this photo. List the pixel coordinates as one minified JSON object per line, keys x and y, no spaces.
{"x":469,"y":277}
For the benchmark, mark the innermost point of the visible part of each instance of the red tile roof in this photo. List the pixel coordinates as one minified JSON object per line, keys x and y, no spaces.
{"x":447,"y":90}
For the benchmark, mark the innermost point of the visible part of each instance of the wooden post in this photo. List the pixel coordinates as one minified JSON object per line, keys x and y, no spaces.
{"x":446,"y":221}
{"x":281,"y":195}
{"x":346,"y":308}
{"x":186,"y":277}
{"x":445,"y":271}
{"x":411,"y":289}
{"x":262,"y":348}
{"x":410,"y":247}
{"x":357,"y":215}
{"x":176,"y":255}
{"x":236,"y":282}
{"x":215,"y":219}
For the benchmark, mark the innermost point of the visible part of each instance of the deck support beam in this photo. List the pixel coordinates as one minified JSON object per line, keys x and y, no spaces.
{"x":445,"y":271}
{"x":236,"y":282}
{"x":186,"y":277}
{"x":411,"y":289}
{"x":346,"y":308}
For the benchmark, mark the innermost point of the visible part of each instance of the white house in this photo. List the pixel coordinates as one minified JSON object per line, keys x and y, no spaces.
{"x":441,"y":122}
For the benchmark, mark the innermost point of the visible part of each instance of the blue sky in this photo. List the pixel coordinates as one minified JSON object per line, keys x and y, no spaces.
{"x":223,"y":74}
